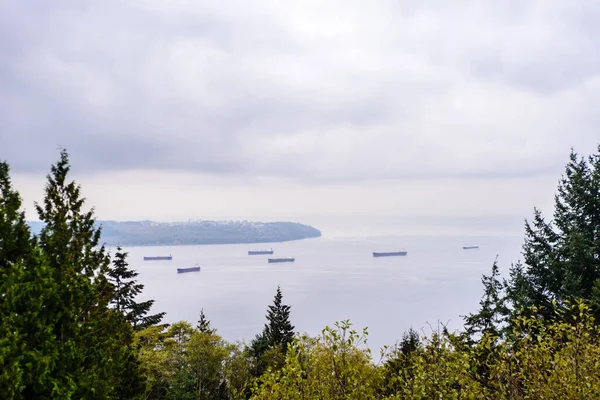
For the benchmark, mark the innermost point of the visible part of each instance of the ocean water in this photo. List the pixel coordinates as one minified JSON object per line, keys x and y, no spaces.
{"x":334,"y":278}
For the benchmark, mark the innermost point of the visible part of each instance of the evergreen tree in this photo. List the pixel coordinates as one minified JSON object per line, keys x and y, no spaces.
{"x":15,"y":237}
{"x":269,"y":347}
{"x":204,"y":324}
{"x":27,"y":346}
{"x":126,"y":289}
{"x":400,"y":360}
{"x":492,"y":314}
{"x":257,"y":348}
{"x":562,"y":256}
{"x":410,"y":342}
{"x":14,"y":248}
{"x":279,"y":331}
{"x":93,"y":355}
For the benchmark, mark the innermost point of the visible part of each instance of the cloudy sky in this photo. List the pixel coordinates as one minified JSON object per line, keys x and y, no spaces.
{"x":272,"y":109}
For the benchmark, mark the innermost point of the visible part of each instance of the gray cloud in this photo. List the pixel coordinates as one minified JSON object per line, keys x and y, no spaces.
{"x":325,"y":91}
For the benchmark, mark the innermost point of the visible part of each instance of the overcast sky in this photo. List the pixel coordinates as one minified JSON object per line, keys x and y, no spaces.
{"x":281,"y":109}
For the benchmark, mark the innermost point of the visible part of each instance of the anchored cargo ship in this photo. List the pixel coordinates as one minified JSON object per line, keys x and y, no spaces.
{"x":257,"y":252}
{"x":390,"y":254}
{"x":189,"y":269}
{"x":283,"y":259}
{"x":470,"y":247}
{"x":159,"y":258}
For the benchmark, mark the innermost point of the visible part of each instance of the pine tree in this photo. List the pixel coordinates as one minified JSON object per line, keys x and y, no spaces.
{"x":279,"y":331}
{"x":126,"y":289}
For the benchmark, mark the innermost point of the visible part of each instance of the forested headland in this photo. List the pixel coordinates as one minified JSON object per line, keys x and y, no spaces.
{"x":151,"y":233}
{"x":72,"y":327}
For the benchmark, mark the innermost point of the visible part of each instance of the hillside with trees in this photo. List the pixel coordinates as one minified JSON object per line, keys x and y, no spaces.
{"x":150,"y":233}
{"x":71,"y":327}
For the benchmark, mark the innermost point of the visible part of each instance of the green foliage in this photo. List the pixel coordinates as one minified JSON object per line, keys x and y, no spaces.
{"x":154,"y":360}
{"x":438,"y":370}
{"x":68,"y":243}
{"x":400,"y":360}
{"x":492,"y":314}
{"x":67,"y":321}
{"x":543,"y":360}
{"x":206,"y":354}
{"x":279,"y":331}
{"x":204,"y":324}
{"x":58,"y":336}
{"x":255,"y":351}
{"x":559,"y":359}
{"x":27,"y":344}
{"x":335,"y":365}
{"x":562,"y":256}
{"x":92,"y":340}
{"x":268,"y":348}
{"x":14,"y":233}
{"x":186,"y":363}
{"x":237,"y":371}
{"x":126,"y":289}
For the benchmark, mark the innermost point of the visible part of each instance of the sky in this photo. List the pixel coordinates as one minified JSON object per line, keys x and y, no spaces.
{"x":283,"y":110}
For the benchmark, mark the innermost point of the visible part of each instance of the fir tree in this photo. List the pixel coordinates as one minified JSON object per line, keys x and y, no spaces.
{"x":126,"y":289}
{"x":269,"y":346}
{"x":15,"y":248}
{"x":93,"y":342}
{"x":562,"y":256}
{"x":410,"y":343}
{"x":15,"y":237}
{"x":400,"y":358}
{"x":492,"y":314}
{"x":27,"y":346}
{"x":279,"y":331}
{"x":204,"y":324}
{"x":257,"y":348}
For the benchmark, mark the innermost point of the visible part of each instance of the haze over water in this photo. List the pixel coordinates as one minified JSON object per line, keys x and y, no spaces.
{"x":335,"y":277}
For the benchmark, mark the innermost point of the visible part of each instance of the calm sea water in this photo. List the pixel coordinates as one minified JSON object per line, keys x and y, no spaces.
{"x":333,"y":278}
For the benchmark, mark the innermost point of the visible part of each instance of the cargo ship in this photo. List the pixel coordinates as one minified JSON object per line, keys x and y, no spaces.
{"x":283,"y":259}
{"x":470,"y":247}
{"x":159,"y":258}
{"x":258,"y":252}
{"x":390,"y":254}
{"x":189,"y":269}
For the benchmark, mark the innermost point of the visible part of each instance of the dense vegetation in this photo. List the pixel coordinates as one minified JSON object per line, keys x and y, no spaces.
{"x":71,"y":328}
{"x":150,"y":233}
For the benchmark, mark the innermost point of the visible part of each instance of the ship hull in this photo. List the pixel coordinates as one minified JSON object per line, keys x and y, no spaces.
{"x":390,"y":254}
{"x":190,"y":269}
{"x":470,"y":247}
{"x":159,"y":258}
{"x":280,"y":260}
{"x":259,"y":252}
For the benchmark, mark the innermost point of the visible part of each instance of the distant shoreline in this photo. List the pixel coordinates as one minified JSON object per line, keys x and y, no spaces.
{"x":151,"y":233}
{"x":209,"y":244}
